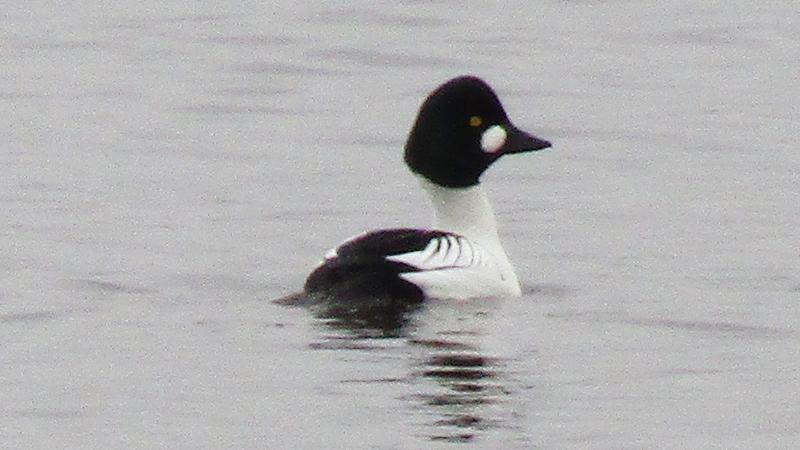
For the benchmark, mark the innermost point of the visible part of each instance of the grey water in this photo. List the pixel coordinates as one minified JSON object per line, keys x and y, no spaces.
{"x":170,"y":168}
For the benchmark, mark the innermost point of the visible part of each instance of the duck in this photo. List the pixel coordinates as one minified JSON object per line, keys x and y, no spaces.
{"x":461,"y":129}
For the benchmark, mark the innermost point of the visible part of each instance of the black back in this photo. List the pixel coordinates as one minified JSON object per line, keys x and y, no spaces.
{"x":382,"y":243}
{"x":360,"y":268}
{"x":360,"y":285}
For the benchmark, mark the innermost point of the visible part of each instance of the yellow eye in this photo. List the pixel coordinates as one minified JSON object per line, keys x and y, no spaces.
{"x":475,"y":121}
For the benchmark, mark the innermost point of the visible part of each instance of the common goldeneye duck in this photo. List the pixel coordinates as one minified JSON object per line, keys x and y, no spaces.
{"x":461,"y":129}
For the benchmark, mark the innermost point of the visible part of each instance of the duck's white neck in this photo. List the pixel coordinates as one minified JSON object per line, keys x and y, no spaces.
{"x":465,"y":211}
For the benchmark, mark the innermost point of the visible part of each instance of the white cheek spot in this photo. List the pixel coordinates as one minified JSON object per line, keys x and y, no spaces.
{"x":493,"y":139}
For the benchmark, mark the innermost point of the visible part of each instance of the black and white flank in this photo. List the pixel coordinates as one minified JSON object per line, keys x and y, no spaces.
{"x":460,"y":131}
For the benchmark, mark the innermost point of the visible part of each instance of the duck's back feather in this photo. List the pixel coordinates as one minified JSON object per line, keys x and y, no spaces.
{"x":363,"y":268}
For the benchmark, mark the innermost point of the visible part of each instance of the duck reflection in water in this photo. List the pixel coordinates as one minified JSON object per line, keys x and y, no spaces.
{"x":451,"y":378}
{"x":362,"y":319}
{"x":467,"y":385}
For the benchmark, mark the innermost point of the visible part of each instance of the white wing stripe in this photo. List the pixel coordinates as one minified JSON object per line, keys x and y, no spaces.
{"x":430,"y":250}
{"x":444,"y":249}
{"x":457,"y":244}
{"x":443,"y":253}
{"x":465,"y":254}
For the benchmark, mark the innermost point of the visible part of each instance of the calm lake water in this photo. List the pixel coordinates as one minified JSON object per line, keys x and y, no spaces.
{"x":169,"y":168}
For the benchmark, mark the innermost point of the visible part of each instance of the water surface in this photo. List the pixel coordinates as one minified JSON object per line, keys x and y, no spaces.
{"x":170,"y":168}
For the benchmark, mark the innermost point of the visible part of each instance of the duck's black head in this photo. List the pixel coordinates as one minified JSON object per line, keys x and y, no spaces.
{"x":460,"y":131}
